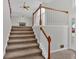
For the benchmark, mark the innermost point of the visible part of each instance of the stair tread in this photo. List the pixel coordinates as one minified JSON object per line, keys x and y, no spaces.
{"x":34,"y":57}
{"x":22,"y":40}
{"x":21,"y":26}
{"x":22,"y":53}
{"x":20,"y":29}
{"x":15,"y":46}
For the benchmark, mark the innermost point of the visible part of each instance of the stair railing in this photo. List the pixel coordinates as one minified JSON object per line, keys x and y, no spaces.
{"x":40,"y":7}
{"x":42,"y":28}
{"x":48,"y":39}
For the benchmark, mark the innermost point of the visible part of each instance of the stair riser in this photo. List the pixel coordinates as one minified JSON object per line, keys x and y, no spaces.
{"x":22,"y":37}
{"x":21,"y":27}
{"x":16,"y":29}
{"x":17,"y":49}
{"x":31,"y":57}
{"x":22,"y":33}
{"x":33,"y":41}
{"x":24,"y":56}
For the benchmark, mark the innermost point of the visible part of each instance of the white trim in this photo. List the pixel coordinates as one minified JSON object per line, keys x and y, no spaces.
{"x":53,"y":51}
{"x":58,"y":50}
{"x":7,"y":40}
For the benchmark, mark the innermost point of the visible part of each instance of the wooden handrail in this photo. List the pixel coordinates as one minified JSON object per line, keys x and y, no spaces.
{"x":46,"y":8}
{"x":54,"y":9}
{"x":37,"y":9}
{"x":9,"y":7}
{"x":46,"y":35}
{"x":49,"y":9}
{"x":49,"y":40}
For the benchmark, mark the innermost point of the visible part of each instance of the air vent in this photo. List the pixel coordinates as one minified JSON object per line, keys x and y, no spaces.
{"x":61,"y":46}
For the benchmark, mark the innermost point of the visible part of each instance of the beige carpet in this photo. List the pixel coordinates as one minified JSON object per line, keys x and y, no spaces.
{"x":22,"y":44}
{"x":64,"y":54}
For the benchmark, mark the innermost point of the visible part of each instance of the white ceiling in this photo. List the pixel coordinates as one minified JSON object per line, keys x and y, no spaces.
{"x":17,"y":4}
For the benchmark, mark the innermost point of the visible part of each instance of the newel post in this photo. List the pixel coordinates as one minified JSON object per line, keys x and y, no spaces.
{"x":40,"y":16}
{"x":33,"y":19}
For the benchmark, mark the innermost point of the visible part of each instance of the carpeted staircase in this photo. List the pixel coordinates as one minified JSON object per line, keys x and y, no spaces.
{"x":22,"y":44}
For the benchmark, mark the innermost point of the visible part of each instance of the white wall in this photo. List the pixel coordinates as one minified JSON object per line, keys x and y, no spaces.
{"x":6,"y":24}
{"x":59,"y":36}
{"x":67,"y":5}
{"x":16,"y":19}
